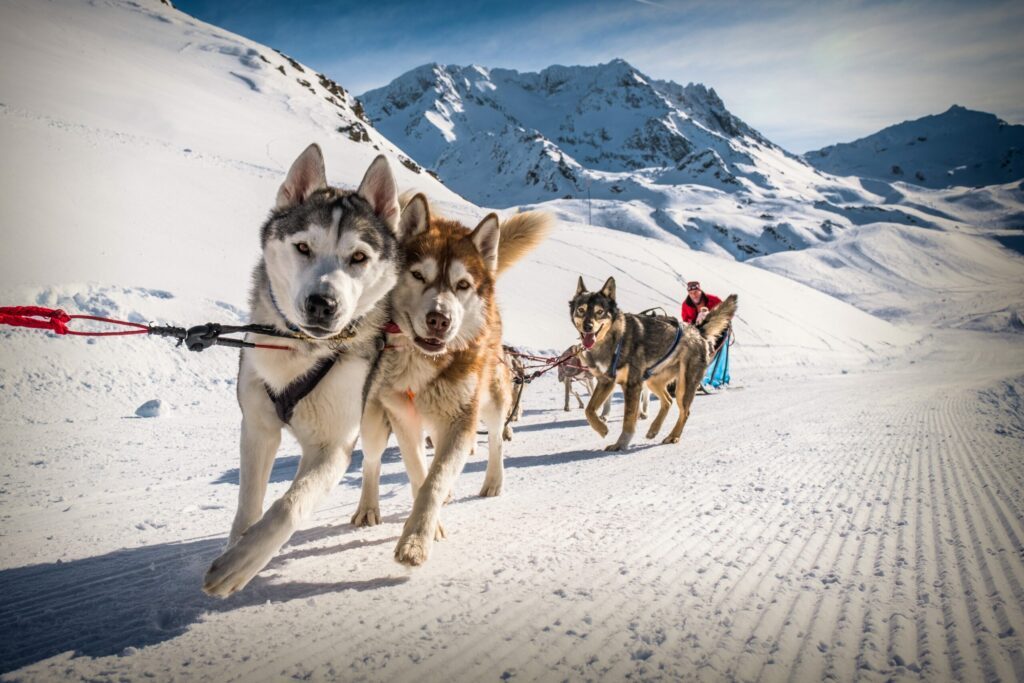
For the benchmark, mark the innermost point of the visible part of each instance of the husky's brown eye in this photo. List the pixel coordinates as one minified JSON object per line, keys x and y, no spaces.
{"x":463,"y":285}
{"x":302,"y":248}
{"x":417,"y":275}
{"x":581,"y":311}
{"x":598,"y":312}
{"x":358,"y":257}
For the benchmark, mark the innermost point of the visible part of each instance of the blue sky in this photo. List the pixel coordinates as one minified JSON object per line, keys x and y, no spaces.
{"x":806,"y":74}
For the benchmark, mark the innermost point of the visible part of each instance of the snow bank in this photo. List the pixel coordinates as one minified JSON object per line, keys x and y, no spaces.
{"x":901,"y":272}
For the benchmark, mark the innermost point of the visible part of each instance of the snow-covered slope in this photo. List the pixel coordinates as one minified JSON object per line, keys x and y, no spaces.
{"x":959,"y":147}
{"x":892,"y":270}
{"x":132,"y":132}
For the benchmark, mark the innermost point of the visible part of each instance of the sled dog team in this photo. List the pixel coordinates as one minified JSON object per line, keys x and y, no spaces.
{"x":398,"y":330}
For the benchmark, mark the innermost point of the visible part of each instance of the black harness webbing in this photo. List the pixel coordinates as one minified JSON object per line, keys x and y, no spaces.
{"x":679,"y":335}
{"x":285,"y":402}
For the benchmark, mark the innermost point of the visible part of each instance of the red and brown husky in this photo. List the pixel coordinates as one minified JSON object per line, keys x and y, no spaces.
{"x":444,"y":369}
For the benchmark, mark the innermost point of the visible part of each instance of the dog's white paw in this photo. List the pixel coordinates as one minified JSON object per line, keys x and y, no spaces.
{"x":235,"y":568}
{"x":366,"y":515}
{"x":670,"y":439}
{"x":412,"y":550}
{"x":491,"y":487}
{"x":615,"y":447}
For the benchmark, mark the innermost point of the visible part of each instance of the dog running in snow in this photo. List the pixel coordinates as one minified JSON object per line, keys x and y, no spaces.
{"x":330,"y":257}
{"x":446,"y":368}
{"x":634,"y":350}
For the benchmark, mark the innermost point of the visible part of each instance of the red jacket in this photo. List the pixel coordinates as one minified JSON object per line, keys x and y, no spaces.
{"x":689,"y":314}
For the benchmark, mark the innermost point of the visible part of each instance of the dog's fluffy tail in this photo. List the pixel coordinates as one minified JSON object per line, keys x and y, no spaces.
{"x":520,"y":235}
{"x":719,"y":318}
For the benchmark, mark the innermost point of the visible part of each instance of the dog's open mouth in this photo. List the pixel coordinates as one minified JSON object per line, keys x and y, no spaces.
{"x":588,"y":339}
{"x":430,"y":345}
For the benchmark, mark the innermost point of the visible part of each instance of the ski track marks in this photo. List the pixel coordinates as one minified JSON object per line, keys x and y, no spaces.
{"x":865,"y":526}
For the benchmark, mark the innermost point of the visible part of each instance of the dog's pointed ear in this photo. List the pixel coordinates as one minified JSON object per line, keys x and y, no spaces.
{"x":381,"y":191}
{"x":609,"y":288}
{"x":306,"y":176}
{"x":415,"y":217}
{"x":580,"y":287}
{"x":485,"y":237}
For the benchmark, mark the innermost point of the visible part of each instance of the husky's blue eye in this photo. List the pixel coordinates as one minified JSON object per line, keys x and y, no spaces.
{"x":303,"y":248}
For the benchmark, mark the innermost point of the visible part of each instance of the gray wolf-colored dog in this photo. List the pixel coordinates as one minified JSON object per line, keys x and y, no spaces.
{"x":330,"y":257}
{"x":634,"y":350}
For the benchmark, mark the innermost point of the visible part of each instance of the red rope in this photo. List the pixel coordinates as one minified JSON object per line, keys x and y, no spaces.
{"x":55,"y":320}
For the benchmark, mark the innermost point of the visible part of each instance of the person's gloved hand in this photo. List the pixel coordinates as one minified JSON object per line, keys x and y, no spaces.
{"x":703,"y":313}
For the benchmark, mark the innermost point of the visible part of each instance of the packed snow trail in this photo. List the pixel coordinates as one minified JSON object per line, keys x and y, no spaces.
{"x":866,"y":524}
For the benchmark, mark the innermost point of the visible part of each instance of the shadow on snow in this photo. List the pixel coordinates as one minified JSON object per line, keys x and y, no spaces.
{"x":136,"y":597}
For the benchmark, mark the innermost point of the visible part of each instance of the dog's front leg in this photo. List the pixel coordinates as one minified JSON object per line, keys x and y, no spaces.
{"x":454,"y":441}
{"x":373,"y":431}
{"x":602,"y":393}
{"x":631,"y":391}
{"x":568,"y":389}
{"x":261,"y":437}
{"x":319,"y":471}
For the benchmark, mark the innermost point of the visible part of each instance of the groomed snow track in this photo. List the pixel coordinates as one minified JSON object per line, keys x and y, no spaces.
{"x":862,"y":525}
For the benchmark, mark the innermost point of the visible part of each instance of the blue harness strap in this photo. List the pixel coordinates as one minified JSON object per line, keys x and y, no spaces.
{"x":679,"y":335}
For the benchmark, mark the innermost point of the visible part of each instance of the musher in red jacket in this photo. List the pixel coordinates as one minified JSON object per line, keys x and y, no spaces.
{"x":697,"y":304}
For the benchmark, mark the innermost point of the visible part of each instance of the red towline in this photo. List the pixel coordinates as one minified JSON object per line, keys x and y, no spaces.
{"x":56,"y":320}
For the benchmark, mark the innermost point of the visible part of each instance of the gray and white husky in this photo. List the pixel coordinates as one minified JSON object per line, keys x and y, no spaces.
{"x":330,"y":258}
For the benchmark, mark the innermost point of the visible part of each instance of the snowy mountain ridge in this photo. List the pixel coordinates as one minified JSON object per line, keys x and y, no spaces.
{"x":959,"y":147}
{"x":553,"y":133}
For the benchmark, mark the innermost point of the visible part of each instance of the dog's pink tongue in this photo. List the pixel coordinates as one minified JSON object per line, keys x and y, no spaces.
{"x":588,"y":340}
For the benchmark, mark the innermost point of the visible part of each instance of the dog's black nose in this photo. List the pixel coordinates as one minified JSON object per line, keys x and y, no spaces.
{"x":320,"y":307}
{"x":438,"y":323}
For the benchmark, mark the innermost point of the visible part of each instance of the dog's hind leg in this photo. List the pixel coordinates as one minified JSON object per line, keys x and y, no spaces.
{"x":645,"y":401}
{"x":568,"y":390}
{"x":259,"y":444}
{"x":579,"y":399}
{"x":686,"y":389}
{"x":374,"y":432}
{"x":664,"y":404}
{"x":631,"y":391}
{"x":494,"y":413}
{"x":453,"y":443}
{"x":602,"y":393}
